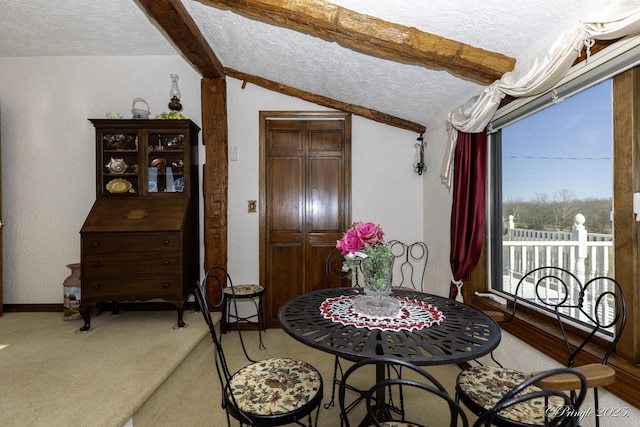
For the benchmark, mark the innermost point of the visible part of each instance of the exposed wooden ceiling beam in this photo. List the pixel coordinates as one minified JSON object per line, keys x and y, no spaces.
{"x":174,"y":20}
{"x":327,"y":102}
{"x":375,"y":36}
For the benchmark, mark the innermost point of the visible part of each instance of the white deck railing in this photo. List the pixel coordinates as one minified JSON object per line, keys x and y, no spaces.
{"x":585,"y":255}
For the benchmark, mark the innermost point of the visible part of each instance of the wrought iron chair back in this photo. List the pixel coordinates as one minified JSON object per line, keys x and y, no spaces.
{"x":334,"y":274}
{"x":599,"y":305}
{"x":222,"y":368}
{"x":410,"y":264}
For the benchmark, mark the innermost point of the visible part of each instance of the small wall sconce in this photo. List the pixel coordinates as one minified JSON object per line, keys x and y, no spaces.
{"x":418,"y":162}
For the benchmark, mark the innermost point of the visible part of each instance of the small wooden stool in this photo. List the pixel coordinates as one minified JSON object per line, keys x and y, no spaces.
{"x":251,"y":292}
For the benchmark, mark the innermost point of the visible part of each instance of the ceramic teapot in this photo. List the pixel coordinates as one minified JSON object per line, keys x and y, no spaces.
{"x":138,"y":113}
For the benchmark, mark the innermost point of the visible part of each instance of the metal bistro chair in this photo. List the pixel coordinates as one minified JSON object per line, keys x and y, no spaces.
{"x":269,"y":392}
{"x":431,"y":404}
{"x":597,"y":308}
{"x":216,"y":277}
{"x":245,"y":292}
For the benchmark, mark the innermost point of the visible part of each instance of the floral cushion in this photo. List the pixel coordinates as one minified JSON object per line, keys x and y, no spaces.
{"x":274,"y":386}
{"x":486,"y":385}
{"x":243,"y":290}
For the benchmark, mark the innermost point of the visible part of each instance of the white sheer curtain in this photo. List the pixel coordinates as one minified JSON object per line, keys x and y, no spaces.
{"x":616,"y":19}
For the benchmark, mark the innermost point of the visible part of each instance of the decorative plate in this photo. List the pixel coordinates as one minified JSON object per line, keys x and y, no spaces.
{"x":118,"y":140}
{"x":118,"y":185}
{"x":117,"y":166}
{"x":178,"y":185}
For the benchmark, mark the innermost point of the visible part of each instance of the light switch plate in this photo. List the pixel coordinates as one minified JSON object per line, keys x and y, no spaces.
{"x":251,"y":206}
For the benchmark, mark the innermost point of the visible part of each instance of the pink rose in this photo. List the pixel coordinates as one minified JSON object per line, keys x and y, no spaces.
{"x":350,"y":242}
{"x":369,"y":232}
{"x":341,"y":247}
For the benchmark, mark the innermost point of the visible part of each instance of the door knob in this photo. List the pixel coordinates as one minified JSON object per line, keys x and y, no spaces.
{"x":1,"y":224}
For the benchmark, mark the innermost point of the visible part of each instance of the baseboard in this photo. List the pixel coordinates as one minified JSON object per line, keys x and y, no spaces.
{"x":130,"y":306}
{"x":24,"y":308}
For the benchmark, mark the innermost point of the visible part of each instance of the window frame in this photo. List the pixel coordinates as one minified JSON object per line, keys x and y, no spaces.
{"x":535,"y":328}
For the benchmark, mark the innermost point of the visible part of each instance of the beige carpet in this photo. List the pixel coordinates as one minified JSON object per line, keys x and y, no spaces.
{"x":52,"y":376}
{"x":137,"y":365}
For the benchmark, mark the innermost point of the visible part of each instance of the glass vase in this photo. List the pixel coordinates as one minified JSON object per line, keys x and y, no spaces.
{"x":376,"y":301}
{"x":377,"y":276}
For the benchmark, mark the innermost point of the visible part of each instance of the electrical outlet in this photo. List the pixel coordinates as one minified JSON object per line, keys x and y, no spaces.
{"x":251,"y":206}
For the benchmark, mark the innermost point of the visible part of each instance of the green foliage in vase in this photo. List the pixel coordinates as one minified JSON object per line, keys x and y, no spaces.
{"x":377,"y":266}
{"x":363,"y":246}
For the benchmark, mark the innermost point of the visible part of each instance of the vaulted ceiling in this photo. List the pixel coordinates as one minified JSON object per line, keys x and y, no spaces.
{"x":402,"y":62}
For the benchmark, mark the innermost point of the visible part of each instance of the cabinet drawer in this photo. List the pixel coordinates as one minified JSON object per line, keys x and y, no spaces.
{"x":131,"y":289}
{"x":130,"y":242}
{"x":130,"y":264}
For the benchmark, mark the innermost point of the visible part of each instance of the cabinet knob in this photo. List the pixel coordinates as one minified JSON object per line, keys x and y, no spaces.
{"x":165,"y":285}
{"x":96,"y":243}
{"x":96,"y":286}
{"x":166,"y":262}
{"x":96,"y":264}
{"x":166,"y":242}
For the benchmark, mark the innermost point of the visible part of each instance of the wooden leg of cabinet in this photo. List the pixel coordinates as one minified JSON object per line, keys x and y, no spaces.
{"x":180,"y":308}
{"x":86,"y":316}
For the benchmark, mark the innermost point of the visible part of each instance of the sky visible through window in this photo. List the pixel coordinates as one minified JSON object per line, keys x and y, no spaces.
{"x":567,"y":146}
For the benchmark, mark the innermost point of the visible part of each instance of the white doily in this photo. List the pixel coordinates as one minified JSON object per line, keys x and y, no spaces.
{"x":413,"y":314}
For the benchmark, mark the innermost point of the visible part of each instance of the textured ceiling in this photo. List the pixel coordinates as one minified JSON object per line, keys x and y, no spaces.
{"x":519,"y":29}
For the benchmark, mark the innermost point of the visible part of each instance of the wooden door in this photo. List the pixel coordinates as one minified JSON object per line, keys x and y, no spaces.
{"x":305,"y":202}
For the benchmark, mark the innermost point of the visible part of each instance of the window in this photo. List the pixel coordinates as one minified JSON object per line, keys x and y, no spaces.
{"x":555,"y":175}
{"x":534,"y":327}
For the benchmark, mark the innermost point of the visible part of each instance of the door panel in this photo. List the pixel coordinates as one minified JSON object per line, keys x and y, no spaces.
{"x":285,"y":278}
{"x":324,"y":192}
{"x":307,"y":205}
{"x":285,"y":185}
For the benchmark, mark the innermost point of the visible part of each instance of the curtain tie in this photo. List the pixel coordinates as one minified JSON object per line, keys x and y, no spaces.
{"x":459,"y":284}
{"x":586,"y":41}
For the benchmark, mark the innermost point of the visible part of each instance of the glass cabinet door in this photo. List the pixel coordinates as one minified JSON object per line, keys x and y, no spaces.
{"x":166,"y":161}
{"x":118,"y":161}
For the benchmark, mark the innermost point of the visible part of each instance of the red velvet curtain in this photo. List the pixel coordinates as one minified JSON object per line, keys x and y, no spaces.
{"x":468,"y":210}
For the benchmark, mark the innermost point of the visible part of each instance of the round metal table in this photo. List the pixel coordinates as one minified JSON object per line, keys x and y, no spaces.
{"x":464,"y":334}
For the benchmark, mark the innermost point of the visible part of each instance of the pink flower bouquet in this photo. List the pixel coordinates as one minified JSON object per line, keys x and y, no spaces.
{"x":362,"y":243}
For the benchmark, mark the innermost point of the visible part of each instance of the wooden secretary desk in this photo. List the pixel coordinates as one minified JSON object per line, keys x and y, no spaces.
{"x":140,"y":239}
